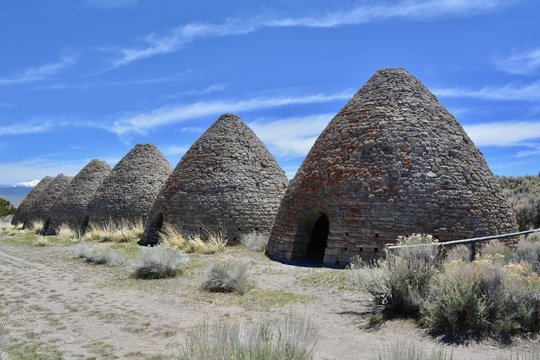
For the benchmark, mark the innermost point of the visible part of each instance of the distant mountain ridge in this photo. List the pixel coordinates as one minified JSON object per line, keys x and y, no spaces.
{"x":15,"y":193}
{"x":30,"y":183}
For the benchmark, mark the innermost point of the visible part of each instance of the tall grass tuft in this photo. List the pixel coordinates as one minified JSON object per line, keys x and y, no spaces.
{"x":290,"y":339}
{"x":170,"y":236}
{"x":228,"y":277}
{"x":3,"y":339}
{"x":528,"y":354}
{"x":65,"y":232}
{"x":159,"y":262}
{"x":120,"y":232}
{"x":99,"y":254}
{"x":215,"y":242}
{"x":255,"y":241}
{"x":37,"y":226}
{"x":41,"y":241}
{"x":409,"y":350}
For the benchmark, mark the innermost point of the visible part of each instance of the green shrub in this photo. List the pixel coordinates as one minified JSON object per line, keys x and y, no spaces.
{"x":526,"y":207}
{"x":483,"y":297}
{"x":290,"y":339}
{"x":409,"y":350}
{"x":6,"y":208}
{"x":496,"y":251}
{"x":228,"y":276}
{"x":159,"y":262}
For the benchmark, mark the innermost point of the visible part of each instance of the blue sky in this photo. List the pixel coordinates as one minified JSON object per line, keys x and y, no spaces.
{"x":84,"y":79}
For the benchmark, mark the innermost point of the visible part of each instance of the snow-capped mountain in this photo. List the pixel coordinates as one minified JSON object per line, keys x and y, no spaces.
{"x":30,"y":183}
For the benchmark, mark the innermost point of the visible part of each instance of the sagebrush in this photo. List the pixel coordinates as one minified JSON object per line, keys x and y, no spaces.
{"x":228,"y":276}
{"x":159,"y":262}
{"x":292,"y":338}
{"x":405,"y":349}
{"x":99,"y":254}
{"x":401,"y":282}
{"x":255,"y":241}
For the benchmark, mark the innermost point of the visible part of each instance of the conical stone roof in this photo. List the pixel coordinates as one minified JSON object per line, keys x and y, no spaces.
{"x":392,"y":162}
{"x":227,"y":181}
{"x":128,"y":192}
{"x":28,"y":202}
{"x":53,"y":192}
{"x":71,"y":207}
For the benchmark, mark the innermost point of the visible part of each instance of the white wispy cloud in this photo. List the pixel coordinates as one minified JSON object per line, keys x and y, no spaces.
{"x":37,"y":168}
{"x":292,"y":136}
{"x":512,"y":91}
{"x":24,"y":128}
{"x":41,"y":72}
{"x":520,"y":62}
{"x":197,"y":92}
{"x":367,"y":12}
{"x":142,"y":122}
{"x":504,"y":134}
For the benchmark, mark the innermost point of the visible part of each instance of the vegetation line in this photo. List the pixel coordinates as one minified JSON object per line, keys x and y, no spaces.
{"x":467,"y":241}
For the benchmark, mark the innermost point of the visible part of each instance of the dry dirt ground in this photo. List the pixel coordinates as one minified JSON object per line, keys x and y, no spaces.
{"x":58,"y":307}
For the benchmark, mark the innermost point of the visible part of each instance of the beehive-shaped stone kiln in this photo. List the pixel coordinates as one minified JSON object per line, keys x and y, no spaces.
{"x":392,"y":162}
{"x":47,"y":199}
{"x":128,"y":192}
{"x":70,"y":209}
{"x":227,"y":181}
{"x":28,"y":202}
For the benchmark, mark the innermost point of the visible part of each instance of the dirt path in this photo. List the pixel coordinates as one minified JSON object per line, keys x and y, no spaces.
{"x":79,"y":310}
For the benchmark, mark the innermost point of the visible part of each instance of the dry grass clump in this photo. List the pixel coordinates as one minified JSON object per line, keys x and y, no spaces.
{"x":3,"y":339}
{"x":65,"y":232}
{"x":400,"y":284}
{"x":215,"y":242}
{"x":99,"y":254}
{"x":159,"y":262}
{"x":228,"y":277}
{"x":172,"y":237}
{"x":121,"y":232}
{"x":483,"y":297}
{"x":255,"y":241}
{"x":290,"y":339}
{"x":41,"y":241}
{"x":37,"y":226}
{"x":405,"y":349}
{"x":528,"y":354}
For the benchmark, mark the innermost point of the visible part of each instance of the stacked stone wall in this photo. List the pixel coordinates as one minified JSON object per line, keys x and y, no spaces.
{"x":392,"y":162}
{"x":227,"y":182}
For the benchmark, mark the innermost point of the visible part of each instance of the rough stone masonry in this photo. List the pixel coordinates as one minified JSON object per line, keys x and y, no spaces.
{"x":227,"y":181}
{"x":70,"y":209}
{"x":392,"y":162}
{"x":128,"y":192}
